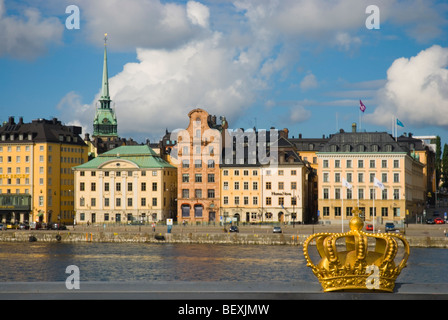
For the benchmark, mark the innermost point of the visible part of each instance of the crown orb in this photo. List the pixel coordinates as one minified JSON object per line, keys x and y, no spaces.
{"x":356,"y":223}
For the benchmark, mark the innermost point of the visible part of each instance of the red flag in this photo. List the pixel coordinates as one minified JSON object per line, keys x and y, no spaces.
{"x":362,"y":107}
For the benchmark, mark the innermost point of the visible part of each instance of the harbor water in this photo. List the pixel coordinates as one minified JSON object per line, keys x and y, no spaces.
{"x":27,"y":262}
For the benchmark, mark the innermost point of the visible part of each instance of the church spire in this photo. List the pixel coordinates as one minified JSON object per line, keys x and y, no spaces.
{"x":105,"y":98}
{"x":105,"y":121}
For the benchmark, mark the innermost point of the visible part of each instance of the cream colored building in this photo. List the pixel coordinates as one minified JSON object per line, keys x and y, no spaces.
{"x":125,"y":185}
{"x":372,"y":171}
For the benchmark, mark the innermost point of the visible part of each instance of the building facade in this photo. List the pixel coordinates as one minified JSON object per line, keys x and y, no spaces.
{"x":372,"y":171}
{"x":36,"y":178}
{"x":197,"y":156}
{"x":125,"y":185}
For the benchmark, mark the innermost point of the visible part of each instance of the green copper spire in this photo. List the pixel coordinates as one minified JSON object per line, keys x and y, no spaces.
{"x":105,"y":98}
{"x":105,"y":122}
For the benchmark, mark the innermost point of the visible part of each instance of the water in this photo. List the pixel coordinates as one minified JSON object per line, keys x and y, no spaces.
{"x":184,"y":262}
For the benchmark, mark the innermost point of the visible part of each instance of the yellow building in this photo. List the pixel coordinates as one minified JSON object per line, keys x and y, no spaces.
{"x":370,"y":170}
{"x":125,"y":185}
{"x":36,"y":180}
{"x":241,"y":198}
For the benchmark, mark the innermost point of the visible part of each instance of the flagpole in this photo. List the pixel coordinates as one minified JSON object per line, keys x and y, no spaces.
{"x":342,"y":212}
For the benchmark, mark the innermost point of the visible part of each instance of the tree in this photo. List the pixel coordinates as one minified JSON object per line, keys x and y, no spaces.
{"x":445,"y":166}
{"x":438,"y":161}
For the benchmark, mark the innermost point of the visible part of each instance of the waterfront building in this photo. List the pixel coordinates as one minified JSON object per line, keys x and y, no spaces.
{"x":197,"y":157}
{"x":36,"y":180}
{"x":125,"y":185}
{"x":254,"y":190}
{"x":372,"y":171}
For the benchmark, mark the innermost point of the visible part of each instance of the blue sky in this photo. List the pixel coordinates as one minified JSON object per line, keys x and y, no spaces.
{"x":297,"y":64}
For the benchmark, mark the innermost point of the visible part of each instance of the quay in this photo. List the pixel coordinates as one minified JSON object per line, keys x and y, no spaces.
{"x":209,"y":290}
{"x":418,"y":235}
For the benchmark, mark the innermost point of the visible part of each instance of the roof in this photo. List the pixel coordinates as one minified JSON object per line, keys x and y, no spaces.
{"x":41,"y":130}
{"x":362,"y":142}
{"x":142,"y":156}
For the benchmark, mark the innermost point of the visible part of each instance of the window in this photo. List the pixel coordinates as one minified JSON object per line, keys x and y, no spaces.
{"x":143,"y":186}
{"x":281,"y":201}
{"x":396,"y":194}
{"x":226,"y":185}
{"x":118,"y":186}
{"x":360,"y":194}
{"x":337,"y":163}
{"x":246,"y":200}
{"x":326,"y":211}
{"x":198,"y":193}
{"x":106,"y":202}
{"x":226,"y":200}
{"x":293,"y":185}
{"x":384,"y":194}
{"x":236,"y":200}
{"x":268,"y":201}
{"x":268,"y":186}
{"x":254,"y":185}
{"x":211,"y":177}
{"x":198,"y":177}
{"x":337,"y":177}
{"x":81,"y":186}
{"x":154,"y":186}
{"x":349,"y":163}
{"x":211,"y":193}
{"x":396,"y":177}
{"x":255,"y":200}
{"x":360,"y":177}
{"x":397,"y":165}
{"x":93,"y":186}
{"x":185,"y":193}
{"x":118,"y":202}
{"x":280,"y":186}
{"x":246,"y":185}
{"x":384,"y":177}
{"x":326,"y":177}
{"x":236,"y":185}
{"x":129,"y":186}
{"x":106,"y":186}
{"x":154,"y":202}
{"x":337,"y":211}
{"x":93,"y":202}
{"x":325,"y":164}
{"x":185,"y":177}
{"x":384,"y":211}
{"x":129,"y":202}
{"x":337,"y":193}
{"x":360,"y":163}
{"x":372,"y":163}
{"x":383,"y":163}
{"x":326,"y":194}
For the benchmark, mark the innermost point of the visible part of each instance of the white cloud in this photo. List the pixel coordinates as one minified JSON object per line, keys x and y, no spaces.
{"x":198,"y":13}
{"x":298,"y":114}
{"x":416,"y":90}
{"x":143,"y":23}
{"x":309,"y":82}
{"x":27,"y":36}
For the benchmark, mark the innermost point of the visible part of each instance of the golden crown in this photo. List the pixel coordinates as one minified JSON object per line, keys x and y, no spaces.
{"x":367,"y":263}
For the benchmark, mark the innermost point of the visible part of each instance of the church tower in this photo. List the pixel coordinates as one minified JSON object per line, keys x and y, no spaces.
{"x":105,"y":121}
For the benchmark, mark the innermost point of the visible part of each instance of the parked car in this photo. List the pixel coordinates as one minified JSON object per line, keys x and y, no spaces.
{"x":439,"y":221}
{"x":234,"y":229}
{"x":24,"y":226}
{"x":277,"y":230}
{"x":56,"y":226}
{"x":430,"y":221}
{"x":369,"y":227}
{"x":2,"y":226}
{"x":390,"y":226}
